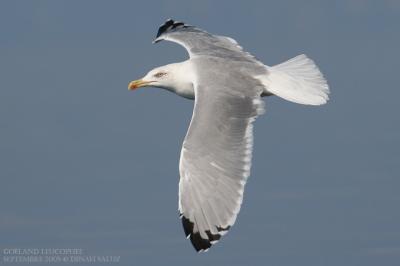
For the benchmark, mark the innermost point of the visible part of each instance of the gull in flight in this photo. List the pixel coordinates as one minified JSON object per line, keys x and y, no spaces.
{"x":227,"y":85}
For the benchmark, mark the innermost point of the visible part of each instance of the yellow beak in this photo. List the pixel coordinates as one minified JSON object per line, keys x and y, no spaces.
{"x":137,"y":84}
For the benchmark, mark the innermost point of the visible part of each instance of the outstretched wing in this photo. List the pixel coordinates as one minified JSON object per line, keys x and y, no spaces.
{"x":216,"y":156}
{"x":201,"y":43}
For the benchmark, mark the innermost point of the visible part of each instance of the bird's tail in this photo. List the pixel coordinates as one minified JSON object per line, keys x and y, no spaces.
{"x":297,"y":80}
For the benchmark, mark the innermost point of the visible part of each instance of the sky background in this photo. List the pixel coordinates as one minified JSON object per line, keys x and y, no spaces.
{"x":84,"y":163}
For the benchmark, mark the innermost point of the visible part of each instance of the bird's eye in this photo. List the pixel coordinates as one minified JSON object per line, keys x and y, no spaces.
{"x":160,"y":74}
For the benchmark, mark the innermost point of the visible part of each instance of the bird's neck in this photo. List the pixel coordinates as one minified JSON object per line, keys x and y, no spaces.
{"x":182,"y":82}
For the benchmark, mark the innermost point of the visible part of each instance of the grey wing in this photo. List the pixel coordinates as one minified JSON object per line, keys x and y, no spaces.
{"x":216,"y":158}
{"x":201,"y":43}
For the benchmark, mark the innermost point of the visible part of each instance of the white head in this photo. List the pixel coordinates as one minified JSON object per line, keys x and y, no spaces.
{"x":158,"y":77}
{"x":173,"y":77}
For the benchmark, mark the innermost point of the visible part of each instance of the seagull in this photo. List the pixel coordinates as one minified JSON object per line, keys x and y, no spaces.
{"x":226,"y":84}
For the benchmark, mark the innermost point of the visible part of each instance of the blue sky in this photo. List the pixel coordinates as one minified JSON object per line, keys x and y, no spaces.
{"x":87,"y":164}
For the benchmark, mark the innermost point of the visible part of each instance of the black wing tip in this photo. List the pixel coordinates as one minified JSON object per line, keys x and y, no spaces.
{"x":200,"y":244}
{"x":187,"y":226}
{"x":169,"y":25}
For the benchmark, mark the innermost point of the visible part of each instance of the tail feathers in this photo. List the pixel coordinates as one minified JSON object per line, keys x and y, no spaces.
{"x":297,"y":80}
